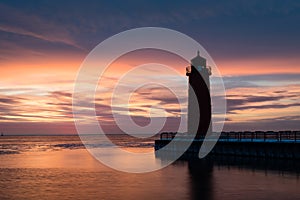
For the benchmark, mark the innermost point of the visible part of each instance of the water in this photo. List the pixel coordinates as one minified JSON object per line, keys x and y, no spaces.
{"x":59,"y":167}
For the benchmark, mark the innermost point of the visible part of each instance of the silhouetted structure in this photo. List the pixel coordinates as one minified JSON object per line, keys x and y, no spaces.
{"x":199,"y":96}
{"x":201,"y":179}
{"x":258,"y":144}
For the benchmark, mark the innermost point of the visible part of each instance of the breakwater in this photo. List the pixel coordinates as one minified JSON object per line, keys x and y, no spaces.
{"x":265,"y":144}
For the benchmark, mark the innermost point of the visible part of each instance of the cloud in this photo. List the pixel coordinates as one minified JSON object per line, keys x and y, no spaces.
{"x":237,"y":101}
{"x":260,"y":98}
{"x":260,"y":80}
{"x":18,"y":21}
{"x":266,"y":102}
{"x":85,"y":24}
{"x":275,"y":106}
{"x":283,"y":77}
{"x":53,"y":107}
{"x":6,"y":100}
{"x":51,"y":27}
{"x":20,"y":31}
{"x":27,"y":35}
{"x":60,"y":94}
{"x":276,"y":123}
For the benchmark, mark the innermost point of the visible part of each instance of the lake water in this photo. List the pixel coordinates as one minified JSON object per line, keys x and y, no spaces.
{"x":59,"y":167}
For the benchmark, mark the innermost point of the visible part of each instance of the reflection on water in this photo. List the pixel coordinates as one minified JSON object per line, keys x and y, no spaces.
{"x":201,"y":179}
{"x":42,"y":169}
{"x":239,"y":178}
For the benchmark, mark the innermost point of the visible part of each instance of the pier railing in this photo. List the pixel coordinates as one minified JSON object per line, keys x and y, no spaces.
{"x":265,"y":136}
{"x":262,"y":136}
{"x":167,"y":135}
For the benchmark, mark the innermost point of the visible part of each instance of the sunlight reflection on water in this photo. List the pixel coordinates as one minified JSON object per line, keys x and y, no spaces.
{"x":70,"y":172}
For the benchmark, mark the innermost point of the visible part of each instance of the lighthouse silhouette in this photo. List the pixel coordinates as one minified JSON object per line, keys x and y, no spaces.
{"x":199,"y":100}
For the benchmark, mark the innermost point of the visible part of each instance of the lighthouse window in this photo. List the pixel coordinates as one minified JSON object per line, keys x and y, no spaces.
{"x":199,"y":68}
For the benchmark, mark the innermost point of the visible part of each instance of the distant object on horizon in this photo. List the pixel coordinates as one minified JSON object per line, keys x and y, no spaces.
{"x":2,"y":134}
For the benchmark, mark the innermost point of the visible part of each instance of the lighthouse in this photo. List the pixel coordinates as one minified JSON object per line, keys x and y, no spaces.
{"x":199,"y":100}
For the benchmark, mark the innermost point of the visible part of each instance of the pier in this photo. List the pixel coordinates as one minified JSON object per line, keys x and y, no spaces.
{"x":264,"y":144}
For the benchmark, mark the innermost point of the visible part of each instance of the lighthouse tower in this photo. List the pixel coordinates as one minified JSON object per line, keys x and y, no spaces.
{"x":199,"y":120}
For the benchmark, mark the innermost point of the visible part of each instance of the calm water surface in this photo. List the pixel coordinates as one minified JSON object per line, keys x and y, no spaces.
{"x":59,"y":167}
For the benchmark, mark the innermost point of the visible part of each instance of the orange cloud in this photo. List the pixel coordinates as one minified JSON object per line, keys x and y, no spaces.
{"x":255,"y":66}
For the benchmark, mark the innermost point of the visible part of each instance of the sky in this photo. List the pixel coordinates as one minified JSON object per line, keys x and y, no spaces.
{"x":255,"y":45}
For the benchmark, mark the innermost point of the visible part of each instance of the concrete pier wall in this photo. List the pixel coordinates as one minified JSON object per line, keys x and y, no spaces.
{"x":264,"y":149}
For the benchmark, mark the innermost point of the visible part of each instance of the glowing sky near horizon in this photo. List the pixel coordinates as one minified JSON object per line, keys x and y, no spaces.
{"x":255,"y":45}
